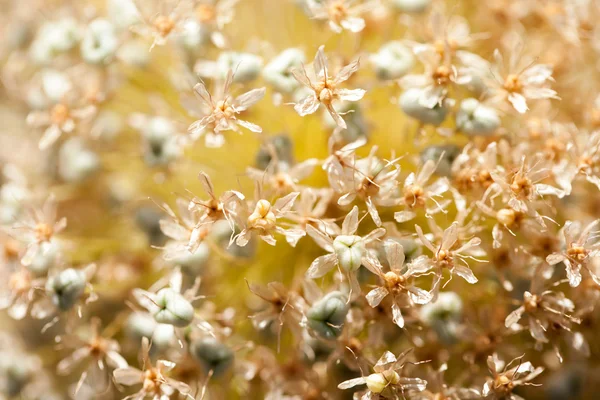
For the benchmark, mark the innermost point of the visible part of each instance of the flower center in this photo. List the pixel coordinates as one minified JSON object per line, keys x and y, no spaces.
{"x":512,"y":83}
{"x":262,"y":217}
{"x":164,"y":25}
{"x":59,"y":114}
{"x":43,"y":232}
{"x":205,"y":13}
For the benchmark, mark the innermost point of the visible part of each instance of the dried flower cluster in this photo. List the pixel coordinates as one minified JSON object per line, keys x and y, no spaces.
{"x":299,"y":199}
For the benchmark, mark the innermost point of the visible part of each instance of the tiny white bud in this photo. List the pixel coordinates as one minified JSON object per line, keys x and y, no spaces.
{"x":66,"y":288}
{"x":411,"y":105}
{"x":75,"y":162}
{"x":349,"y":251}
{"x":173,"y":308}
{"x":447,"y":306}
{"x":392,"y":61}
{"x":328,"y":315}
{"x":278,"y":72}
{"x":413,"y":6}
{"x":378,"y":382}
{"x":212,"y":354}
{"x":475,"y":118}
{"x":99,"y":42}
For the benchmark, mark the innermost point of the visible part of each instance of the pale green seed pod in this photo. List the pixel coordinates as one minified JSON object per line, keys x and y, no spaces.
{"x":66,"y":288}
{"x":44,"y":259}
{"x":443,"y":316}
{"x":411,"y":105}
{"x":277,"y":72}
{"x":174,"y":309}
{"x":162,"y":147}
{"x":392,"y":61}
{"x":99,"y":43}
{"x":444,"y":155}
{"x":193,"y":263}
{"x":349,"y":250}
{"x":283,"y":147}
{"x":76,"y":163}
{"x":474,"y":118}
{"x":411,"y":6}
{"x":411,"y":248}
{"x":356,"y":126}
{"x":327,"y":316}
{"x":212,"y":354}
{"x":378,"y":382}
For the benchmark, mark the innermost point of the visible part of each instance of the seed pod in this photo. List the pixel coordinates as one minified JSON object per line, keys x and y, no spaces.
{"x":277,"y":72}
{"x":213,"y":355}
{"x":99,"y":42}
{"x":44,"y":259}
{"x":356,"y":126}
{"x":378,"y":382}
{"x":161,"y":146}
{"x":411,"y":6}
{"x":443,"y":155}
{"x":16,"y":374}
{"x":349,"y":250}
{"x":283,"y":147}
{"x":326,"y":317}
{"x":411,"y":105}
{"x":75,"y":162}
{"x":148,"y":220}
{"x":392,"y":61}
{"x":193,"y":263}
{"x":474,"y":118}
{"x":412,"y":249}
{"x":66,"y":288}
{"x":247,"y":66}
{"x":173,"y":308}
{"x":443,"y":316}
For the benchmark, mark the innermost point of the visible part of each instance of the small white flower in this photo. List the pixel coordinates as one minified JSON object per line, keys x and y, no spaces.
{"x":99,"y":42}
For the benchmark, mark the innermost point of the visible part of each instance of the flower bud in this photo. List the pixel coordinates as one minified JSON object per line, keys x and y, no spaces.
{"x":411,"y":105}
{"x":356,"y":126}
{"x":392,"y":61}
{"x":212,"y":355}
{"x":411,"y":6}
{"x":75,"y":162}
{"x":99,"y":42}
{"x":443,"y":316}
{"x":246,"y":66}
{"x":474,"y":118}
{"x":281,"y":145}
{"x":148,"y":220}
{"x":443,"y":155}
{"x":378,"y":382}
{"x":135,"y":52}
{"x":326,"y":317}
{"x":277,"y":72}
{"x":54,"y":38}
{"x":66,"y":288}
{"x":349,"y":251}
{"x":447,"y":306}
{"x":123,"y":13}
{"x":107,"y":125}
{"x":162,"y":147}
{"x":173,"y":308}
{"x":193,"y":263}
{"x":192,"y":36}
{"x":44,"y":259}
